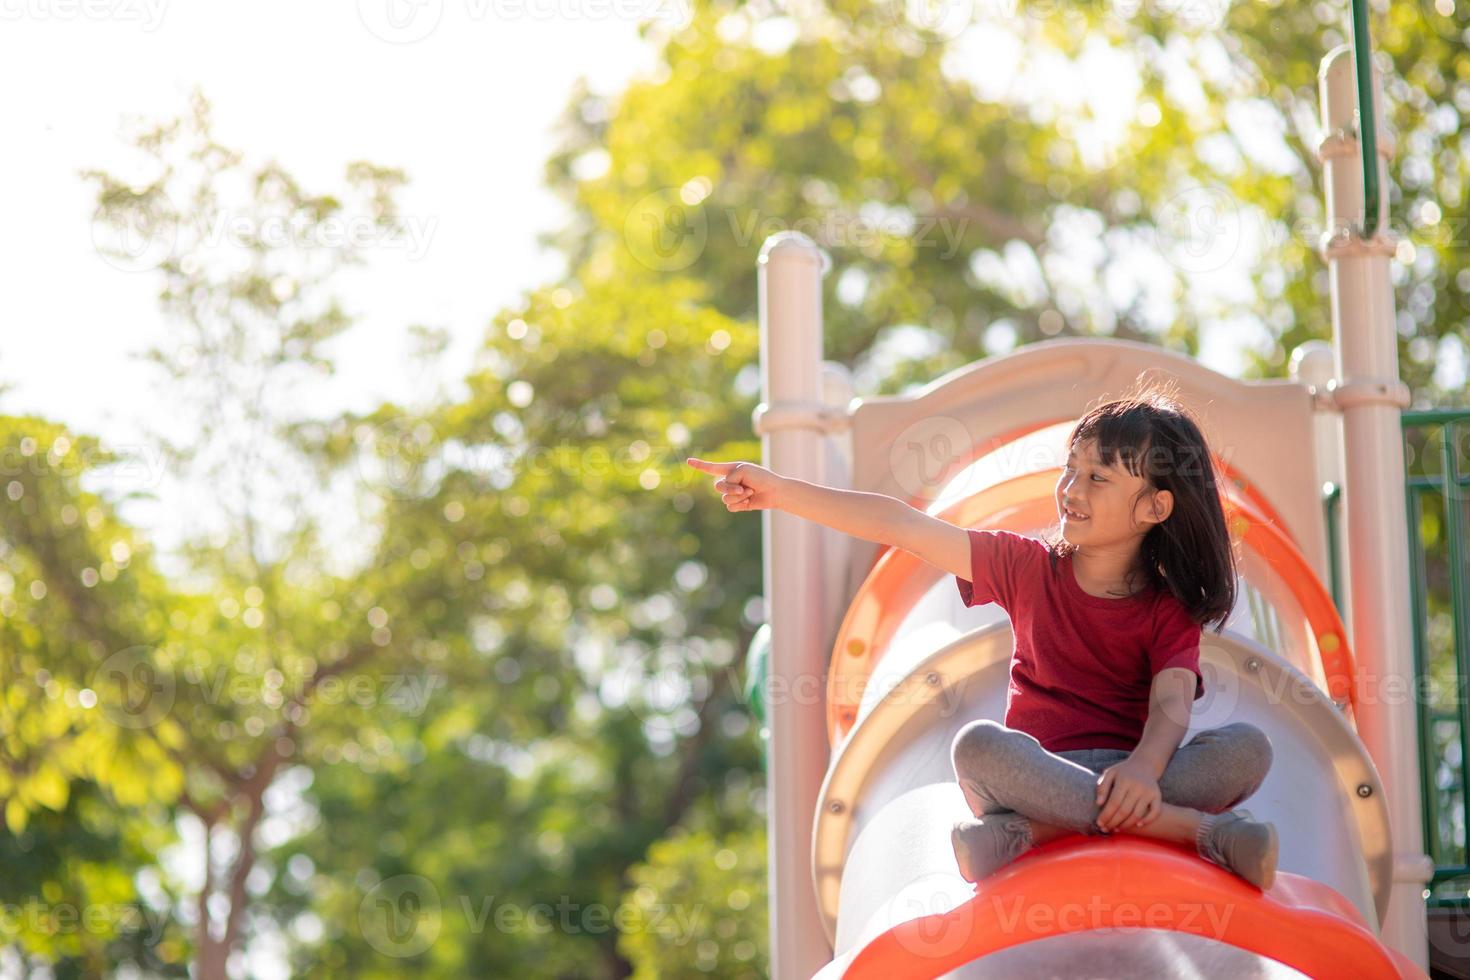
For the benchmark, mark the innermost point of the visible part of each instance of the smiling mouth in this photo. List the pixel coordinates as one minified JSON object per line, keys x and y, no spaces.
{"x":1072,"y":515}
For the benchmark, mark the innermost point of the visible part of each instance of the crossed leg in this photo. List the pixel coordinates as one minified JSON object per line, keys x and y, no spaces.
{"x":1000,"y":769}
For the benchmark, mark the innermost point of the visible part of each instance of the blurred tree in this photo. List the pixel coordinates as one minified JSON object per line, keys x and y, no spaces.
{"x":1419,"y":49}
{"x":941,"y":162}
{"x":452,"y":560}
{"x":216,"y":685}
{"x":76,"y":590}
{"x":697,"y":895}
{"x":594,"y":674}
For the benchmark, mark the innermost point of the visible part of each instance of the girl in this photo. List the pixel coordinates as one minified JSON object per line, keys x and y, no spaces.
{"x":1106,"y":611}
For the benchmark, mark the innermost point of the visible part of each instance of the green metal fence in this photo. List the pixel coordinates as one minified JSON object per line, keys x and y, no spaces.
{"x":1331,"y":504}
{"x":1437,"y":483}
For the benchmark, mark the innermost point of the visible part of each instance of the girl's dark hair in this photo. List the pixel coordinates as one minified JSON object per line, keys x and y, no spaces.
{"x":1190,"y":552}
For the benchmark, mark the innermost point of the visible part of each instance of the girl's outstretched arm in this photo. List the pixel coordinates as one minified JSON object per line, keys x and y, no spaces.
{"x":870,"y":516}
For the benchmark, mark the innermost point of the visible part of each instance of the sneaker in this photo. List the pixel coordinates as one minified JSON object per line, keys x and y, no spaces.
{"x":981,"y":845}
{"x":1237,"y":842}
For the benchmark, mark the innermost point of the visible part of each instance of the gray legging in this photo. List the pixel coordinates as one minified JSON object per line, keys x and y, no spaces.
{"x":1002,"y":769}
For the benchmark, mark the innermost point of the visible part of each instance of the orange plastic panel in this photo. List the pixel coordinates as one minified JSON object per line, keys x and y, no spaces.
{"x":1272,"y":544}
{"x":1079,"y":883}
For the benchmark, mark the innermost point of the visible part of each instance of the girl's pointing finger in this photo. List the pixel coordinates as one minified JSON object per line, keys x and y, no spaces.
{"x":718,"y":469}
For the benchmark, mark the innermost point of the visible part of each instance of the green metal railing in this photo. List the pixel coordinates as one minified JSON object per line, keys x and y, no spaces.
{"x":1367,"y":123}
{"x":1437,"y":484}
{"x":757,"y":686}
{"x":1331,"y":504}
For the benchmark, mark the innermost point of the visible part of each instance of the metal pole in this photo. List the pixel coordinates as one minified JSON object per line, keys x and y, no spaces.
{"x":1367,"y":116}
{"x":792,"y":444}
{"x":1371,"y":396}
{"x":1312,"y":363}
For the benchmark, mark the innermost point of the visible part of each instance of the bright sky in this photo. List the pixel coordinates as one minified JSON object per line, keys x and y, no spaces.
{"x":462,"y":95}
{"x":467,"y":111}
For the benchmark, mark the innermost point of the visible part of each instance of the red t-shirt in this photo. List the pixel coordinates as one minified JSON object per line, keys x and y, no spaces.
{"x":1083,"y":665}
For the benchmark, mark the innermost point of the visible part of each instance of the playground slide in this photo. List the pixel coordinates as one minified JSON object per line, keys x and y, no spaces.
{"x":912,"y":665}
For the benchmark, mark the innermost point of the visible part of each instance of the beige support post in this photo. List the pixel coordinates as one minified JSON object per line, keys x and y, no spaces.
{"x":1313,"y":363}
{"x":791,"y":421}
{"x":1371,"y":395}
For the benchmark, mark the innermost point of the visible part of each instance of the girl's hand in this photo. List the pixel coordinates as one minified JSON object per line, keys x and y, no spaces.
{"x":743,"y":486}
{"x":1128,"y":794}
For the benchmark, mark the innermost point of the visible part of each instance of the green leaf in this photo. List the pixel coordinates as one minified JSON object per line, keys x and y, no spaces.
{"x":16,"y":815}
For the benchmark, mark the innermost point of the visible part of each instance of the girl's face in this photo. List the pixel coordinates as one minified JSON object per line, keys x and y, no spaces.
{"x":1096,"y":503}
